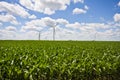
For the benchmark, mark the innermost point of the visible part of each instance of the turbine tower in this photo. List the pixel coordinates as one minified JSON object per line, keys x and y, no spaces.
{"x":39,"y":35}
{"x":95,"y":36}
{"x":53,"y":32}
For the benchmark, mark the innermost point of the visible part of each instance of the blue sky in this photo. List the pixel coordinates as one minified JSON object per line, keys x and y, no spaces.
{"x":22,"y":19}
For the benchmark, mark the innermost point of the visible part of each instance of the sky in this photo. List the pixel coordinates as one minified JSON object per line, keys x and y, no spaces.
{"x":72,"y":19}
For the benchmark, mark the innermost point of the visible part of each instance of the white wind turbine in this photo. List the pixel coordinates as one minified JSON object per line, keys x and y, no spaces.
{"x":39,"y":33}
{"x":40,"y":30}
{"x":54,"y":32}
{"x":39,"y":36}
{"x":95,"y":36}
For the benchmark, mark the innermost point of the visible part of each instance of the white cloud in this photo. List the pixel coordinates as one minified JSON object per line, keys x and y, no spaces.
{"x":8,"y":33}
{"x":76,"y":1}
{"x":116,"y":24}
{"x":34,"y":25}
{"x":39,"y":24}
{"x":88,"y":26}
{"x":87,"y":31}
{"x":49,"y":21}
{"x":79,"y":11}
{"x":70,"y":31}
{"x":44,"y":23}
{"x":8,"y":18}
{"x":61,"y":34}
{"x":67,"y":34}
{"x":27,"y":3}
{"x":13,"y":9}
{"x":30,"y":28}
{"x":97,"y":25}
{"x":32,"y":17}
{"x":117,"y":17}
{"x":118,"y":4}
{"x":48,"y":11}
{"x":10,"y":28}
{"x":45,"y":6}
{"x":86,"y":7}
{"x":62,"y":21}
{"x":75,"y":25}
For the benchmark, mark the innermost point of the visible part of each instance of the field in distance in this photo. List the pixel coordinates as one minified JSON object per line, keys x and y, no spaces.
{"x":59,"y":60}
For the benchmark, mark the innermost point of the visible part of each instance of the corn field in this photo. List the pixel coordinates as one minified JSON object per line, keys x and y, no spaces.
{"x":59,"y":60}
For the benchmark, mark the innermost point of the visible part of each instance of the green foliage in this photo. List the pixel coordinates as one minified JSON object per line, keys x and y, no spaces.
{"x":59,"y":60}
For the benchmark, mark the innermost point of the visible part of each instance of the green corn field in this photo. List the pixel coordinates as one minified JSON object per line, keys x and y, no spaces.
{"x":59,"y":60}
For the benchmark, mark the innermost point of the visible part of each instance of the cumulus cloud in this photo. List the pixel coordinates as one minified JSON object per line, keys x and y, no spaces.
{"x":10,"y":28}
{"x":38,"y":24}
{"x":79,"y":11}
{"x":88,"y":31}
{"x":75,"y":25}
{"x":70,"y":31}
{"x":48,"y":11}
{"x":13,"y":9}
{"x":74,"y":31}
{"x":42,"y":23}
{"x":117,"y":17}
{"x":49,"y":21}
{"x":61,"y":34}
{"x":62,"y":21}
{"x":32,"y":17}
{"x":67,"y":34}
{"x":34,"y":25}
{"x":118,"y":4}
{"x":76,"y":1}
{"x":45,"y":6}
{"x":88,"y":26}
{"x":30,"y":28}
{"x":8,"y":18}
{"x":86,"y":7}
{"x":8,"y":32}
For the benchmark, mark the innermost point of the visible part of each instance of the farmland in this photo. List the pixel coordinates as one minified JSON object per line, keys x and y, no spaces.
{"x":59,"y":60}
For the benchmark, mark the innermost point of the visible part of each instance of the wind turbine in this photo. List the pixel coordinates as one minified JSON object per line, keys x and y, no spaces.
{"x":95,"y":36}
{"x":39,"y":35}
{"x":54,"y":31}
